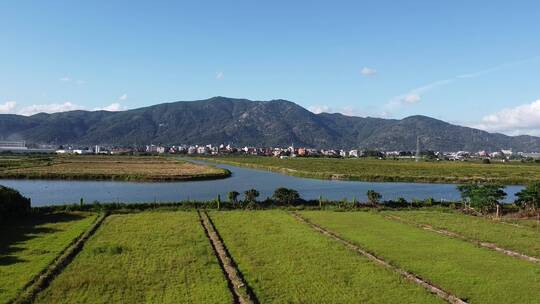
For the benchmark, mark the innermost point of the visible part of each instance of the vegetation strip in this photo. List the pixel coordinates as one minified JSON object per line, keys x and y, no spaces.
{"x":241,"y":291}
{"x":410,"y":276}
{"x":462,"y":237}
{"x":42,"y":280}
{"x":376,"y":170}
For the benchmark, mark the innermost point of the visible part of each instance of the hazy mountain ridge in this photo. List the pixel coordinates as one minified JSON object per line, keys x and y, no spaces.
{"x":254,"y":123}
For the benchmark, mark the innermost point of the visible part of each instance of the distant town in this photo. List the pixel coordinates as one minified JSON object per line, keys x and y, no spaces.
{"x":282,"y":152}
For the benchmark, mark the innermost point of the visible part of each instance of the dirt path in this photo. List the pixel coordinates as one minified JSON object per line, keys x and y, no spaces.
{"x":410,"y":276}
{"x":241,"y":292}
{"x":43,"y":279}
{"x":462,"y":237}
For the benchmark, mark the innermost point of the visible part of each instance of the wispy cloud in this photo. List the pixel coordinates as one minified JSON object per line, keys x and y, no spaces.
{"x":368,"y":71}
{"x":123,"y":97}
{"x":7,"y":107}
{"x":416,"y":94}
{"x":71,"y":80}
{"x":219,"y":75}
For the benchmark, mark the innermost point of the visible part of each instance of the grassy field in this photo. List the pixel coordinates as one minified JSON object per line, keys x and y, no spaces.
{"x":165,"y":257}
{"x":149,"y":257}
{"x":28,"y":246}
{"x":284,"y":261}
{"x":126,"y":168}
{"x":476,"y":274}
{"x":523,"y":239}
{"x":391,"y":170}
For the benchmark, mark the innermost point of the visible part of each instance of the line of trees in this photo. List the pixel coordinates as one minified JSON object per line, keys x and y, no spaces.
{"x":488,"y":198}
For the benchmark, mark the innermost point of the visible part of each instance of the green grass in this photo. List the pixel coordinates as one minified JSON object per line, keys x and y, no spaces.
{"x":522,"y":239}
{"x":477,"y":274}
{"x":149,"y":257}
{"x":391,"y":170}
{"x":284,"y":261}
{"x":28,"y":246}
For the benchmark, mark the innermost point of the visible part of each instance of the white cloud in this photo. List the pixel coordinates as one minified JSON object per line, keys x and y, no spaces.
{"x":219,"y":75}
{"x":523,"y":119}
{"x":7,"y":107}
{"x":349,"y":111}
{"x":123,"y":97}
{"x":113,"y":107}
{"x":49,"y":108}
{"x":317,"y":109}
{"x":368,"y":71}
{"x":411,"y":98}
{"x":65,"y":79}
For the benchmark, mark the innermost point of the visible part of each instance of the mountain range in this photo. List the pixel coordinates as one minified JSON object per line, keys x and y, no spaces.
{"x":243,"y":122}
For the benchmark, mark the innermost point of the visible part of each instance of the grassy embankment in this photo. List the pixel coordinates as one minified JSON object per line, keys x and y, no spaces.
{"x":123,"y":168}
{"x":476,"y":274}
{"x":29,"y":245}
{"x":388,"y":170}
{"x":149,"y":257}
{"x":521,"y":238}
{"x":284,"y":261}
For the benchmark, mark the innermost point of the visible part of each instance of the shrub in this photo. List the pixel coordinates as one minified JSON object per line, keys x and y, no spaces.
{"x":529,"y":198}
{"x":12,"y":203}
{"x":285,"y":196}
{"x":482,"y":197}
{"x":373,"y":197}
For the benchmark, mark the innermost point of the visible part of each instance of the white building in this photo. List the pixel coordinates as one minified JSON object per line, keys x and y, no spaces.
{"x":12,"y":145}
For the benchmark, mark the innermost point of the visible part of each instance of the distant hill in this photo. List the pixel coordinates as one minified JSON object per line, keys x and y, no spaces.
{"x":254,"y":123}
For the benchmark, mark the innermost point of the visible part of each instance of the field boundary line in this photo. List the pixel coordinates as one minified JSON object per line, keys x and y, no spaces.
{"x":451,"y":234}
{"x":240,"y":290}
{"x":39,"y":282}
{"x":445,"y":295}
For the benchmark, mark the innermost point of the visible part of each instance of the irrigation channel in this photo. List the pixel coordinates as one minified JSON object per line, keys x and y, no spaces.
{"x":57,"y":192}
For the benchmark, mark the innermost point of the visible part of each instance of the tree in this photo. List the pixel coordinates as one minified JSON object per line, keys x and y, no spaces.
{"x":233,"y":197}
{"x":251,"y":195}
{"x":483,"y":197}
{"x":529,"y":198}
{"x":12,"y":203}
{"x":373,"y":197}
{"x":286,"y":196}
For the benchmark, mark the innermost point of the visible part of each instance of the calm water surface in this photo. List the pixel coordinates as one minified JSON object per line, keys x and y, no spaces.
{"x":55,"y":192}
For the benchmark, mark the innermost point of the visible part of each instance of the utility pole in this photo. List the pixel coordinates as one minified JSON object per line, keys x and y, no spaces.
{"x":417,"y":148}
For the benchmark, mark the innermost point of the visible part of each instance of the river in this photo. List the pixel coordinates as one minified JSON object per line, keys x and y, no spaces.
{"x":56,"y":192}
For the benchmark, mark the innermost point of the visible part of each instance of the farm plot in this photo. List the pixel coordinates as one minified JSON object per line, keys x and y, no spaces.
{"x":123,"y":168}
{"x":522,"y":239}
{"x":284,"y":261}
{"x":150,"y":257}
{"x":28,"y":246}
{"x":472,"y":273}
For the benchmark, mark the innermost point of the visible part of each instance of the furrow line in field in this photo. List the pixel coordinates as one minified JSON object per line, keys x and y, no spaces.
{"x":445,"y":295}
{"x":241,"y":292}
{"x":464,"y":238}
{"x":44,"y":278}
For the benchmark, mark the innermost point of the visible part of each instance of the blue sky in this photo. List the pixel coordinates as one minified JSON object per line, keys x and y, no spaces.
{"x":469,"y":62}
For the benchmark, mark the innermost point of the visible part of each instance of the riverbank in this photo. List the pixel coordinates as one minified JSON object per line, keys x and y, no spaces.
{"x":376,"y":170}
{"x":114,"y":168}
